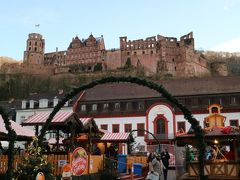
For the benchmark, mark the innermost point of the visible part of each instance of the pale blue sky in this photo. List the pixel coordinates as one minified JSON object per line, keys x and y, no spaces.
{"x":215,"y":23}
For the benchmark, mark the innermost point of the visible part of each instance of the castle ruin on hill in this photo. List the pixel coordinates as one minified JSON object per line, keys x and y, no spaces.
{"x":156,"y":54}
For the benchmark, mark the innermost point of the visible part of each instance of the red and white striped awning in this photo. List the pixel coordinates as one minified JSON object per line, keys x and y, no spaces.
{"x":54,"y":140}
{"x":115,"y":137}
{"x":85,"y":120}
{"x":41,"y":117}
{"x":20,"y":131}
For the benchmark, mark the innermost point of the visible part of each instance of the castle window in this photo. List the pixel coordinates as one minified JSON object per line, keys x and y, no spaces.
{"x":172,"y":59}
{"x":143,"y":52}
{"x":29,"y":48}
{"x":175,"y":68}
{"x":35,"y":43}
{"x":128,"y":53}
{"x":135,"y":53}
{"x":30,"y":43}
{"x":151,"y":52}
{"x":35,"y":49}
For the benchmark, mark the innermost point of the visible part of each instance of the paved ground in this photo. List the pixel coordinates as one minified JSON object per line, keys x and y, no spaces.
{"x":171,"y":175}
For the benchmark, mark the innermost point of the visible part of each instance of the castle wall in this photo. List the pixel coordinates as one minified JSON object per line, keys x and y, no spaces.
{"x":155,"y":54}
{"x":113,"y":59}
{"x":15,"y":68}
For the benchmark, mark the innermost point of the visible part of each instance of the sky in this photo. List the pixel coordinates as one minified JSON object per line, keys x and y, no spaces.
{"x":214,"y":23}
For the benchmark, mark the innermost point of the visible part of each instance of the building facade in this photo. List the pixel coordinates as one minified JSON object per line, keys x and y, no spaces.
{"x":122,"y":107}
{"x":156,"y":54}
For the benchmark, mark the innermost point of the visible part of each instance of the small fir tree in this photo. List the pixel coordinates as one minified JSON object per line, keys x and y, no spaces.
{"x":33,"y":163}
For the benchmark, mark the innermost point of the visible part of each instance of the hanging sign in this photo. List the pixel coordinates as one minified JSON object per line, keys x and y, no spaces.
{"x":79,"y":161}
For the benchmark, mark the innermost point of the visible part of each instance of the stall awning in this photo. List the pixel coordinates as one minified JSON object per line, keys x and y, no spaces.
{"x":41,"y":117}
{"x":85,"y":120}
{"x":115,"y":137}
{"x":54,"y":140}
{"x":20,"y":131}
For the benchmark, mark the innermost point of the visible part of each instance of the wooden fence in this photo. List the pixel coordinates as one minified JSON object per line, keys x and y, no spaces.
{"x":55,"y":159}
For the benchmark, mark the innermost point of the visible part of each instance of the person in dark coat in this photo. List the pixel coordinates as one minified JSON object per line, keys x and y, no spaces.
{"x":165,"y":160}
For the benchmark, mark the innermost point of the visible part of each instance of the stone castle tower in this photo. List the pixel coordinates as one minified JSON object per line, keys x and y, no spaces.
{"x":34,"y":53}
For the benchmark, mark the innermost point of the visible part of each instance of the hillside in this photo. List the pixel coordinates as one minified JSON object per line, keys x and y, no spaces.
{"x":232,"y":60}
{"x":4,"y":59}
{"x":20,"y":85}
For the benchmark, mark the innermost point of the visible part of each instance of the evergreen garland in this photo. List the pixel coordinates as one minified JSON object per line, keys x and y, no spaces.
{"x":199,"y":135}
{"x":12,"y":136}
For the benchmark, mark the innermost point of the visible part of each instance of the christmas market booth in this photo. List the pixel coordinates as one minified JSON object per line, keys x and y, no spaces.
{"x":222,"y":145}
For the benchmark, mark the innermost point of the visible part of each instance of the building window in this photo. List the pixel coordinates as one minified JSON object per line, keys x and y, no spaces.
{"x":233,"y":100}
{"x":128,"y":106}
{"x":105,"y":106}
{"x":83,"y":107}
{"x":115,"y":128}
{"x":117,"y":106}
{"x":143,"y":52}
{"x":151,"y":52}
{"x":140,"y":126}
{"x":135,"y":53}
{"x":104,"y":126}
{"x":181,"y":126}
{"x":128,"y":53}
{"x":128,"y":127}
{"x":94,"y":107}
{"x":234,"y":122}
{"x":141,"y":106}
{"x":194,"y":102}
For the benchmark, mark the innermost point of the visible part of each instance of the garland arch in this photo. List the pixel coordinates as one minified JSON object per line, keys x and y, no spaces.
{"x":199,"y":135}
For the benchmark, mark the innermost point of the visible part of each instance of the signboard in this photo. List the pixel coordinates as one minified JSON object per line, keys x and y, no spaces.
{"x":79,"y":161}
{"x":61,"y":163}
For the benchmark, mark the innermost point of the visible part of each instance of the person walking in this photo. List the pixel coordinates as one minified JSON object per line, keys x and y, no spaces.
{"x":153,"y":168}
{"x":165,"y":160}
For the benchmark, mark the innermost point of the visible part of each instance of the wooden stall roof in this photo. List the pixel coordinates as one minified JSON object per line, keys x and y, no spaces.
{"x":23,"y":133}
{"x":223,"y":134}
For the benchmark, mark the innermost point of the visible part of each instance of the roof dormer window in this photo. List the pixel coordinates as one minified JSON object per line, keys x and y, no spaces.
{"x":43,"y":103}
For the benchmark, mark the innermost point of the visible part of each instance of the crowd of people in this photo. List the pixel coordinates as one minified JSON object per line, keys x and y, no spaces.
{"x":158,"y":165}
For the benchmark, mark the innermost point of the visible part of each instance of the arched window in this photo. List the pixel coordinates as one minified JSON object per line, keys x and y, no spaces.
{"x":160,"y":125}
